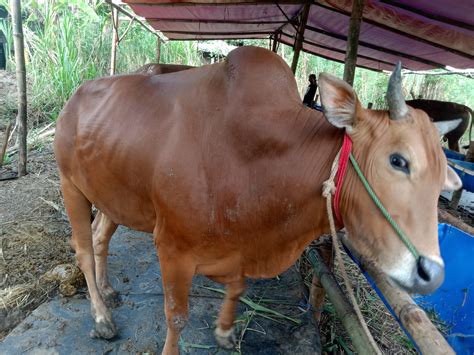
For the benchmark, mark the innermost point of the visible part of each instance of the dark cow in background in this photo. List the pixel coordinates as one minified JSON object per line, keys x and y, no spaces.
{"x":446,"y":111}
{"x":156,"y":69}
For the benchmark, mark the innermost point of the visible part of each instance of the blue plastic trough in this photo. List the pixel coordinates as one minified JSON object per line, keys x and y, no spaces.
{"x":451,"y":154}
{"x":453,"y":302}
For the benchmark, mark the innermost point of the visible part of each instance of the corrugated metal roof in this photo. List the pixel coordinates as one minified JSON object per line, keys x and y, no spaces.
{"x":423,"y":34}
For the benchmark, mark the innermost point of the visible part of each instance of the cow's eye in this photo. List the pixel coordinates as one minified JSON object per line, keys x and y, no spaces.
{"x":399,"y":163}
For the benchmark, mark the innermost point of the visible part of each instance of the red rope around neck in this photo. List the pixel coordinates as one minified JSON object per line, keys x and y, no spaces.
{"x":341,"y":173}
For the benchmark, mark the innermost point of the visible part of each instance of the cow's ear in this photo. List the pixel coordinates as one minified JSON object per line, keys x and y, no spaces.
{"x":339,"y":101}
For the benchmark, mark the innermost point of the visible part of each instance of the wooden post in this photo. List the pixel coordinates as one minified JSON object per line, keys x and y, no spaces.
{"x":5,"y":143}
{"x":344,"y":309}
{"x":353,"y":41}
{"x":21,"y":82}
{"x":300,"y":36}
{"x":115,"y":40}
{"x":158,"y":49}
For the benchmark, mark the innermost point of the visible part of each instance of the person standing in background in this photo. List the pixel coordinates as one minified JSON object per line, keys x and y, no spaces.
{"x":308,"y":99}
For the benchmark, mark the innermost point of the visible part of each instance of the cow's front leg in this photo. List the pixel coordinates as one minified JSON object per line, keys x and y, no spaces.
{"x":177,"y":270}
{"x":224,"y":332}
{"x":102,"y":230}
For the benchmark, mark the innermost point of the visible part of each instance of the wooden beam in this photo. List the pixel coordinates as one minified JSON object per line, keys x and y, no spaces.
{"x":343,"y":52}
{"x":219,"y":33}
{"x":209,"y":2}
{"x":15,"y":7}
{"x":399,"y":32}
{"x":353,"y":41}
{"x":115,"y":40}
{"x":128,"y":14}
{"x":439,"y":18}
{"x":329,"y":58}
{"x":378,"y":48}
{"x":300,"y":36}
{"x":233,"y":22}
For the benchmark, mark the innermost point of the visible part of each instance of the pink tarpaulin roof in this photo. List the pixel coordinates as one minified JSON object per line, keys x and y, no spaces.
{"x":423,"y":34}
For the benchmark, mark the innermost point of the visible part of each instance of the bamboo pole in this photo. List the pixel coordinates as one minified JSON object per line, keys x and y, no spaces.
{"x":428,"y":339}
{"x":353,"y":41}
{"x":454,"y":221}
{"x":115,"y":40}
{"x":21,"y":83}
{"x":343,"y":308}
{"x":300,"y":36}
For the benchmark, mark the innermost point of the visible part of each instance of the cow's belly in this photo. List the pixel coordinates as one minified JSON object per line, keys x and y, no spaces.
{"x":131,"y":207}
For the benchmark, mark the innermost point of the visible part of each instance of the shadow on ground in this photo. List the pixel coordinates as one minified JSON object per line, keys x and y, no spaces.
{"x":62,"y":325}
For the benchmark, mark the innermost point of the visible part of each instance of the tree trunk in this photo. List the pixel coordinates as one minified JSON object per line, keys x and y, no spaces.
{"x":21,"y":83}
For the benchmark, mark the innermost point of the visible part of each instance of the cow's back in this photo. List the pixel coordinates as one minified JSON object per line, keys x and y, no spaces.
{"x":142,"y":148}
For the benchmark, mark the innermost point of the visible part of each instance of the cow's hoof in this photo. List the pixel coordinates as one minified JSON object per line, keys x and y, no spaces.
{"x":225,"y":338}
{"x":104,"y":329}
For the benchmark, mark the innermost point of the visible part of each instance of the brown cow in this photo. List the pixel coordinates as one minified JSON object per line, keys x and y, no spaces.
{"x":156,"y":69}
{"x":446,"y":111}
{"x":230,"y":182}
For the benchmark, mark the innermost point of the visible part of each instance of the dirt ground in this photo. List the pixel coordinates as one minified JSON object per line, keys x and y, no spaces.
{"x":33,"y":238}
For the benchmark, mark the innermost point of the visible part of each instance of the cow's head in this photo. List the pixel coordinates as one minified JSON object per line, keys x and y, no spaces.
{"x":400,"y":155}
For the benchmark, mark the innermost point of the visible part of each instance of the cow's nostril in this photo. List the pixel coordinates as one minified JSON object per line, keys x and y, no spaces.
{"x":423,"y":269}
{"x":430,"y":272}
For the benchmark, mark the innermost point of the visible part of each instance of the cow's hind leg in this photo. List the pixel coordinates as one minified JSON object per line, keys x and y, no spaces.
{"x":102,"y":230}
{"x":177,"y":270}
{"x":224,"y":332}
{"x":79,"y":211}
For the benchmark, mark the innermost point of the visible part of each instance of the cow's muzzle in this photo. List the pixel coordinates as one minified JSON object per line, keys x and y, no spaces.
{"x":427,"y":276}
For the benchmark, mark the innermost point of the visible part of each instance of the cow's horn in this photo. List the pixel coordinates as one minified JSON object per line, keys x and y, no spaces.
{"x":396,"y":102}
{"x":447,"y":126}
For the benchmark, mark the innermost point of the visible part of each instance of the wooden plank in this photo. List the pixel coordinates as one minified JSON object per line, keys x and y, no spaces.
{"x":300,"y":36}
{"x":21,"y":83}
{"x":353,"y":41}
